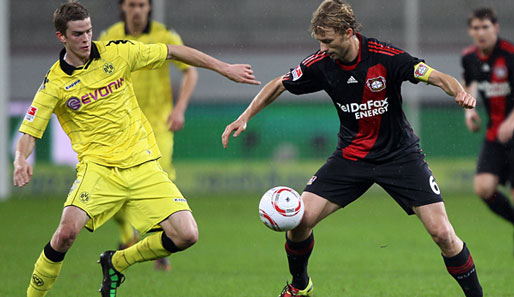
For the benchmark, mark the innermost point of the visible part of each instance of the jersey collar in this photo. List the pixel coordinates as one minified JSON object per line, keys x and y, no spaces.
{"x":68,"y":69}
{"x":363,"y":54}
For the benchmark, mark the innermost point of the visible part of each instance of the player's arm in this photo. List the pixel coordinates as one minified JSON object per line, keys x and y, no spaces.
{"x":22,"y":169}
{"x":265,"y":97}
{"x":176,"y":118}
{"x":471,"y":117}
{"x":241,"y":73}
{"x":506,"y":128}
{"x":447,"y":83}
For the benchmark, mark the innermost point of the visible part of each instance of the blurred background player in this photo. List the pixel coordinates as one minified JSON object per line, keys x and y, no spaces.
{"x":154,"y":93}
{"x":489,"y":71}
{"x":363,"y":77}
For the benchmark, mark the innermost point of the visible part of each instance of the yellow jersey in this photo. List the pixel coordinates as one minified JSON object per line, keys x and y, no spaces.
{"x":96,"y":105}
{"x":152,"y":87}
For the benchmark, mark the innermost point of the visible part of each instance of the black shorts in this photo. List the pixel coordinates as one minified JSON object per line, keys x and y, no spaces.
{"x":497,"y":159}
{"x":408,"y":180}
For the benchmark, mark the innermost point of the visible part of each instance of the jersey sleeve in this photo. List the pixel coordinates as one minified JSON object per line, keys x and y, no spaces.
{"x":174,"y":39}
{"x":39,"y":113}
{"x":403,"y":67}
{"x":302,"y":79}
{"x":140,"y":55}
{"x":467,"y":73}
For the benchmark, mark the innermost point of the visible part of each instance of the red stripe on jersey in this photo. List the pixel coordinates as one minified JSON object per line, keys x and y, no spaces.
{"x":313,"y":57}
{"x":497,"y":103}
{"x":386,"y":47}
{"x":368,"y":126}
{"x":315,"y":60}
{"x":469,"y":50}
{"x":372,"y":47}
{"x":507,"y":46}
{"x":383,"y":52}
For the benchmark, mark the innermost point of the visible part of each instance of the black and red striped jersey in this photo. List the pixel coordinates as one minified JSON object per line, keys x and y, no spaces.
{"x":494,"y":75}
{"x":367,"y":96}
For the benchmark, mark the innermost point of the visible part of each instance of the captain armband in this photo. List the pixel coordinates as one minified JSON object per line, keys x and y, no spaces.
{"x":422,"y":71}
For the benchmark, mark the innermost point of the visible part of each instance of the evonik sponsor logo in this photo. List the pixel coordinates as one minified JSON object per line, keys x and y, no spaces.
{"x":76,"y":102}
{"x":363,"y":110}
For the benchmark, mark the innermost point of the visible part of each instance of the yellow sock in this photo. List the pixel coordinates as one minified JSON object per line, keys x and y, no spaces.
{"x":150,"y":248}
{"x":44,"y":276}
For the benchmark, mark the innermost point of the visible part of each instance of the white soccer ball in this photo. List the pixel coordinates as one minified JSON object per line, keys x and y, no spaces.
{"x":281,"y":208}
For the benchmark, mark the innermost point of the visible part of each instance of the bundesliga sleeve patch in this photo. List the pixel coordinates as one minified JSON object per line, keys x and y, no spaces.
{"x":296,"y":73}
{"x":422,"y":71}
{"x":31,"y":114}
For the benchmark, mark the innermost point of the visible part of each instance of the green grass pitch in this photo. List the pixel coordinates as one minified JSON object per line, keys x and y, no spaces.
{"x":371,"y":248}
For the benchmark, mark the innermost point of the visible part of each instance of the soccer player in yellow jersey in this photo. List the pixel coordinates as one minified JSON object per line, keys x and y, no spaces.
{"x":90,"y":90}
{"x":153,"y":92}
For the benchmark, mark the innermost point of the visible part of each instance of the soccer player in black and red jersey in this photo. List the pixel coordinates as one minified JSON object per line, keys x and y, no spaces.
{"x":363,"y":77}
{"x":489,"y":71}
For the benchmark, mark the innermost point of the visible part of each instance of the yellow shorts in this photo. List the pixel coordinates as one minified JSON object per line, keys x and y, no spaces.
{"x":145,"y":191}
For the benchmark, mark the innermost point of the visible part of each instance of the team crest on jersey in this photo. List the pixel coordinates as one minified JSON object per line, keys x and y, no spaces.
{"x":108,"y":68}
{"x":500,"y":71}
{"x":84,"y":197}
{"x":297,"y":73}
{"x":31,"y":114}
{"x":376,"y":84}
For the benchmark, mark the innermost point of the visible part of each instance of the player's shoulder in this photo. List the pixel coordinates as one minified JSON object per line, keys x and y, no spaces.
{"x":116,"y":31}
{"x":315,"y":58}
{"x":159,"y":32}
{"x":506,"y":46}
{"x":381,"y":48}
{"x":469,"y":51}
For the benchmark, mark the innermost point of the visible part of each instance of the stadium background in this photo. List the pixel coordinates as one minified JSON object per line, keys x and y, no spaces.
{"x":371,"y":249}
{"x":272,"y":36}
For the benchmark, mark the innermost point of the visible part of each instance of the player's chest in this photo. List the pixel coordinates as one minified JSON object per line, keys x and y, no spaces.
{"x":493,"y":70}
{"x":357,"y":85}
{"x":99,"y":86}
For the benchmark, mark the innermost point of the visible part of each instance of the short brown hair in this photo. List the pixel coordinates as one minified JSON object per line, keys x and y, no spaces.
{"x":483,"y":13}
{"x":335,"y":14}
{"x":72,"y":11}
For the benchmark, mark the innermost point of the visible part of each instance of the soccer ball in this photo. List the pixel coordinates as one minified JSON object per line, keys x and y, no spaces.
{"x":281,"y":208}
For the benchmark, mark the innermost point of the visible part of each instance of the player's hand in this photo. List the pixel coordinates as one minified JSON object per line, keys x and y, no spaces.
{"x":505,"y":131}
{"x":22,"y":172}
{"x":176,"y":120}
{"x":465,"y":100}
{"x":238,"y":125}
{"x":472,"y":120}
{"x":241,"y":73}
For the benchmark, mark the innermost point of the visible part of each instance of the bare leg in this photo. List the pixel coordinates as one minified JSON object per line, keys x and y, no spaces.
{"x":457,"y":258}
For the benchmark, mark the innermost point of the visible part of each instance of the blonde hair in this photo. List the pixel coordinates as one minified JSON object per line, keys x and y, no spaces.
{"x":335,"y":14}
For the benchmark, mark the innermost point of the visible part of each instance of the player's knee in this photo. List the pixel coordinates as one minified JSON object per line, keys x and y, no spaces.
{"x":309,"y":220}
{"x":442,"y":235}
{"x":484,"y":191}
{"x":65,"y":237}
{"x":187,"y":238}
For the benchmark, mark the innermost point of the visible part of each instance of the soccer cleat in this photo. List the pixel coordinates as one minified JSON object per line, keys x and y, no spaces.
{"x":162,"y":264}
{"x":290,"y":291}
{"x":112,"y":278}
